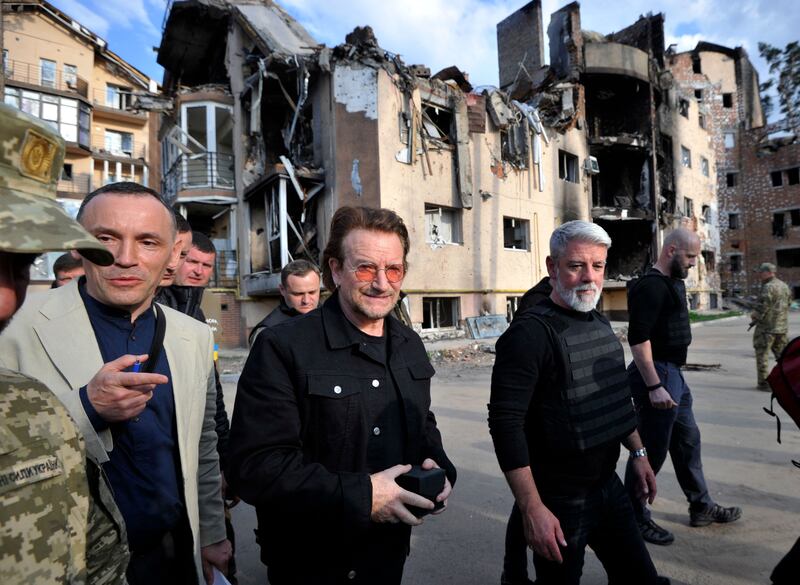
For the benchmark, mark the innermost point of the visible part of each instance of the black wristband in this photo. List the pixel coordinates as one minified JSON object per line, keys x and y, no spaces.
{"x":654,"y":387}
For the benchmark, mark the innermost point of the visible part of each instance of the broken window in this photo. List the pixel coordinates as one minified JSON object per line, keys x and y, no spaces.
{"x":439,"y":312}
{"x":696,"y":64}
{"x":118,"y":143}
{"x":688,"y":207}
{"x":731,"y":179}
{"x":730,"y":140}
{"x":707,"y":214}
{"x":701,"y":120}
{"x":704,"y":166}
{"x":793,"y":176}
{"x":713,"y":301}
{"x":686,"y":157}
{"x":778,"y":224}
{"x":515,"y":233}
{"x":437,"y":122}
{"x":736,"y":262}
{"x":683,"y":107}
{"x":567,"y":166}
{"x":733,"y":221}
{"x":777,"y":178}
{"x":118,"y":97}
{"x":512,"y":304}
{"x":788,"y":257}
{"x":698,"y":95}
{"x":709,"y":260}
{"x":693,"y":301}
{"x":443,"y":225}
{"x":795,"y":216}
{"x":727,"y":100}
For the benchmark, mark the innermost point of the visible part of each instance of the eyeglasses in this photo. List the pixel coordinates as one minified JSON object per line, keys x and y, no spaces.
{"x":369,"y":272}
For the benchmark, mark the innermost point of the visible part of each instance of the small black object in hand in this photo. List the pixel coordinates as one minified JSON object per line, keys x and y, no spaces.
{"x":428,"y":483}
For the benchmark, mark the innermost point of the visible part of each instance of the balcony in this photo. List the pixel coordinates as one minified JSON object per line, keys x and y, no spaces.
{"x":34,"y":75}
{"x":111,"y":148}
{"x":78,"y":184}
{"x":226,"y":270}
{"x":115,"y":103}
{"x":202,"y":171}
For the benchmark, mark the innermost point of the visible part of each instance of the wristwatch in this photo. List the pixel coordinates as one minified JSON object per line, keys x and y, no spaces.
{"x":639,"y":453}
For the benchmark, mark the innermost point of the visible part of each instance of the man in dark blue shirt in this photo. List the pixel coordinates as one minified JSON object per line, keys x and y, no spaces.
{"x":145,"y":402}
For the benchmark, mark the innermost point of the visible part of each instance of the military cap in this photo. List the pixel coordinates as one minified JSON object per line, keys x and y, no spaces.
{"x":766,"y":267}
{"x":31,"y":220}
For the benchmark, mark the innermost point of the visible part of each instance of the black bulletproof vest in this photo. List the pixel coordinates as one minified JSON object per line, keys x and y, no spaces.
{"x":595,"y":406}
{"x":678,"y":334}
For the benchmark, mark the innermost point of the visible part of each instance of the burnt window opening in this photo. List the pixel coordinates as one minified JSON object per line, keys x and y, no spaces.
{"x":731,"y":179}
{"x":730,"y":140}
{"x":443,"y":225}
{"x":794,"y":214}
{"x":514,"y":146}
{"x":701,"y":120}
{"x":706,"y":214}
{"x":616,"y":105}
{"x":633,"y":240}
{"x":733,"y":221}
{"x":777,"y":178}
{"x":568,"y":167}
{"x":440,"y":312}
{"x":438,"y":124}
{"x":793,"y":176}
{"x":625,"y":181}
{"x":698,"y":95}
{"x":688,"y":207}
{"x":727,"y":100}
{"x":788,"y":257}
{"x":779,"y":224}
{"x":66,"y":172}
{"x":686,"y":157}
{"x":704,"y":166}
{"x":736,"y":263}
{"x":515,"y":234}
{"x":696,"y":65}
{"x":683,"y":107}
{"x":709,"y":260}
{"x":736,"y":244}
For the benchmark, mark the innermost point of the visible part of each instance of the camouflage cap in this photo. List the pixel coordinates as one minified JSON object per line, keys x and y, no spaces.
{"x":31,"y":220}
{"x":766,"y":267}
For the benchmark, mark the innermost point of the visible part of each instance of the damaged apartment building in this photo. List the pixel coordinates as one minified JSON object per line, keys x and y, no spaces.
{"x":269,"y":132}
{"x":650,"y":164}
{"x":758,"y":169}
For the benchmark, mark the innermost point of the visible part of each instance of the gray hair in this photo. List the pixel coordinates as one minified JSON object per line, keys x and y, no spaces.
{"x":583,"y":231}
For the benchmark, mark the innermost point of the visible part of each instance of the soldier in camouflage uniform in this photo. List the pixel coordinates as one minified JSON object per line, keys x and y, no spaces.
{"x":58,"y":520}
{"x":770,"y":319}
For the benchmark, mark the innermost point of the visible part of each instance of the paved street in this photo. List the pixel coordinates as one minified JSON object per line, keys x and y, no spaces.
{"x":744,"y":466}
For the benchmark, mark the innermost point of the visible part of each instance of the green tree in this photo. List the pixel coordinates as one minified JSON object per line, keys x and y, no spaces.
{"x":784,"y":68}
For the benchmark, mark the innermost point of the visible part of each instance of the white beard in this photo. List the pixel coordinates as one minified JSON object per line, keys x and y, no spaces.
{"x":576,"y":302}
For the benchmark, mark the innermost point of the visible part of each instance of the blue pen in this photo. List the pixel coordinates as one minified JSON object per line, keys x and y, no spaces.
{"x":136,"y":367}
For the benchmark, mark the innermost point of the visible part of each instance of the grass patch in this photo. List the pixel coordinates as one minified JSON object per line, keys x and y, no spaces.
{"x":698,"y":317}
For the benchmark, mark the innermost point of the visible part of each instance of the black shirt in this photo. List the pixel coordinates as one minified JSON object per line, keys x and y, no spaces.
{"x":525,"y":368}
{"x":650,"y":304}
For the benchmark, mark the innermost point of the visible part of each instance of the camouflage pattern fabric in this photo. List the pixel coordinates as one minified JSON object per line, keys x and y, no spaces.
{"x":44,"y":495}
{"x":772,"y":311}
{"x":107,"y":553}
{"x":31,"y":220}
{"x":764,"y":342}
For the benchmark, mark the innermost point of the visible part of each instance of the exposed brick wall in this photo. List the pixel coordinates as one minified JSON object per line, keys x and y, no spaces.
{"x":224,"y":307}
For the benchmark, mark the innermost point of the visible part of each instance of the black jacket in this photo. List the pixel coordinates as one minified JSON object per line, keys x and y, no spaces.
{"x":279,"y":314}
{"x":298,"y":445}
{"x":187,"y":299}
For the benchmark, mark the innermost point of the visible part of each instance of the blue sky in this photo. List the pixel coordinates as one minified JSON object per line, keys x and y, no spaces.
{"x":439,"y":33}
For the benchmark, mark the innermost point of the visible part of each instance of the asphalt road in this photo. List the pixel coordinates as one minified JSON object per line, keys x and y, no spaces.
{"x":744,"y":466}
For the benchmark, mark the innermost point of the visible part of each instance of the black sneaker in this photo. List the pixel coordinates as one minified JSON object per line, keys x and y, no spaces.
{"x":715,"y":513}
{"x":654,"y":534}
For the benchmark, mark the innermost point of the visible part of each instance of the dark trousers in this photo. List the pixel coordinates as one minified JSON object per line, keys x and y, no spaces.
{"x":515,"y":561}
{"x":788,"y":569}
{"x":674,"y":431}
{"x":602,"y":519}
{"x":169,"y":562}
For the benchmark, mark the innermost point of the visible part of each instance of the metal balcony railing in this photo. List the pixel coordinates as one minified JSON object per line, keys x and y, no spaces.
{"x":79,"y":183}
{"x":226,"y":270}
{"x":206,"y":170}
{"x":36,"y":74}
{"x":113,"y":146}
